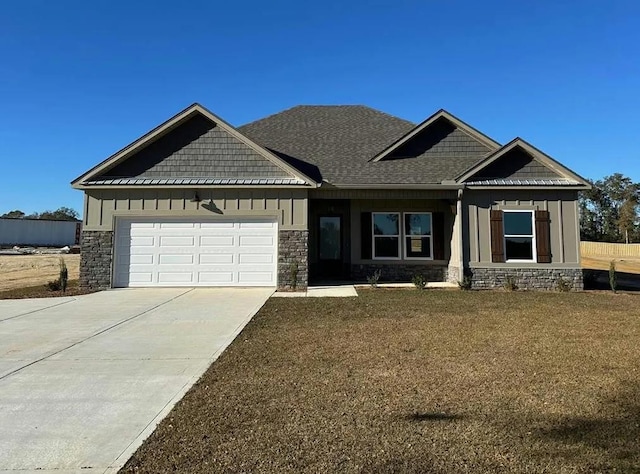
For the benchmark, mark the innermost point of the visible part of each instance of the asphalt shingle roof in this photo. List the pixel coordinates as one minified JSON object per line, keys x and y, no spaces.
{"x":336,"y":144}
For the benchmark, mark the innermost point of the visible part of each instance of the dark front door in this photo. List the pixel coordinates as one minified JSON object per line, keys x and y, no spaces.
{"x":330,"y":261}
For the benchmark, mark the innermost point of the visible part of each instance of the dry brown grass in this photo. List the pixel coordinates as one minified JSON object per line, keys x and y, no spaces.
{"x":21,"y":271}
{"x":409,"y":381}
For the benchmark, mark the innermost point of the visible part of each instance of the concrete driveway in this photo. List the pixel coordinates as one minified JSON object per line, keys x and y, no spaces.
{"x":84,"y":380}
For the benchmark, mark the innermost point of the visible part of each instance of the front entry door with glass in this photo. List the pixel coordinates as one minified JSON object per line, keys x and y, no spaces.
{"x":330,"y":247}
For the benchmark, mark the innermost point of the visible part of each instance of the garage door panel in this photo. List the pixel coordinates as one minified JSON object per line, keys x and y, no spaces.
{"x":141,"y":225}
{"x":216,"y":259}
{"x":175,"y":277}
{"x":215,"y":277}
{"x":136,"y":268}
{"x":176,"y":252}
{"x":218,"y":225}
{"x":139,"y":241}
{"x":256,"y":225}
{"x":138,"y":259}
{"x":256,"y":240}
{"x":217,"y":240}
{"x":253,"y":277}
{"x":177,"y":225}
{"x":177,"y":241}
{"x":139,"y":277}
{"x":184,"y":259}
{"x":142,"y":231}
{"x":248,"y":258}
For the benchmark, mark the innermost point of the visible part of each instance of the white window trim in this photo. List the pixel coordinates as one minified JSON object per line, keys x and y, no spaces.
{"x":373,"y":236}
{"x":532,"y":235}
{"x":404,"y":238}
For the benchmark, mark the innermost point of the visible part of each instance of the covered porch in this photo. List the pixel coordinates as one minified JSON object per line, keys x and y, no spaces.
{"x":354,"y":234}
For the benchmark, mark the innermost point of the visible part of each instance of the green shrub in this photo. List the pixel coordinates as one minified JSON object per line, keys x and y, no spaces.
{"x":64,"y":275}
{"x":419,"y":281}
{"x":465,"y":283}
{"x":563,"y":285}
{"x":293,"y":270}
{"x":373,"y":279}
{"x":54,"y":285}
{"x":613,"y":279}
{"x":510,"y":284}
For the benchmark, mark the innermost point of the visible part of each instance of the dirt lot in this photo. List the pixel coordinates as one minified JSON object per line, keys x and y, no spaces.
{"x":18,"y":271}
{"x":405,"y":381}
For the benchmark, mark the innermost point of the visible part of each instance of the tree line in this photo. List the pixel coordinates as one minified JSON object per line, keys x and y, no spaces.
{"x":609,"y":211}
{"x":60,"y":214}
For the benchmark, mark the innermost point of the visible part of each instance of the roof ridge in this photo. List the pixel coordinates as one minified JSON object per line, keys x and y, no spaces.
{"x":267,"y":116}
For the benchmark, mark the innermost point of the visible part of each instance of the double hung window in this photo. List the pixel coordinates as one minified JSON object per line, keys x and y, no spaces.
{"x":519,"y":238}
{"x":397,"y":235}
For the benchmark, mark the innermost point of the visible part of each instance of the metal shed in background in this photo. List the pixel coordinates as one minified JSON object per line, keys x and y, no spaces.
{"x":39,"y":232}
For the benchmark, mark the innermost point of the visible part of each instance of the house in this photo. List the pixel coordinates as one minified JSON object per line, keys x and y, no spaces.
{"x":327,"y":193}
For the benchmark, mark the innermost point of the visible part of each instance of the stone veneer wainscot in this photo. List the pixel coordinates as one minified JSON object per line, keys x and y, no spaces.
{"x":293,"y":251}
{"x":526,"y":278}
{"x":96,"y":250}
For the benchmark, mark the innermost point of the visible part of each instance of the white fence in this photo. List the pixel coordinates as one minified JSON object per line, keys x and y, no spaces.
{"x":39,"y":232}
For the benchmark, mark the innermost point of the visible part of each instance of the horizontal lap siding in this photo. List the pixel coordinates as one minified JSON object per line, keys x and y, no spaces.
{"x":289,"y":206}
{"x":562,"y":207}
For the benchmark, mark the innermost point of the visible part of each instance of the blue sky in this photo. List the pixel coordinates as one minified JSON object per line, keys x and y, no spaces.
{"x":80,"y":80}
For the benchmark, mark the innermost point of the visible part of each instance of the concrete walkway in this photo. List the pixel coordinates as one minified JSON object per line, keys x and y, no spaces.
{"x":84,"y":380}
{"x":321,"y":291}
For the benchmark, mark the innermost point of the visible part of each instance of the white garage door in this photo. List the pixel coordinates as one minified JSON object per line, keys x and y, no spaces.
{"x":172,"y":252}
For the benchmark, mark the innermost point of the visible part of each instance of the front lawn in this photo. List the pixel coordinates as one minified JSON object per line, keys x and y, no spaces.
{"x":423,"y":382}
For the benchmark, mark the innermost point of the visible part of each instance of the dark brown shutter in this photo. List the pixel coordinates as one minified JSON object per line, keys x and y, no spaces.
{"x":497,"y":237}
{"x":438,"y":235}
{"x":543,"y":237}
{"x":78,"y":232}
{"x":365,"y":236}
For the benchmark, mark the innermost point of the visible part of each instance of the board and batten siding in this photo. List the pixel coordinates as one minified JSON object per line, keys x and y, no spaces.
{"x":103,"y":205}
{"x":564,"y":224}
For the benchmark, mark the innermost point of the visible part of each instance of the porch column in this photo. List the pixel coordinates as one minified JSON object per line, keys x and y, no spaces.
{"x":455,"y":269}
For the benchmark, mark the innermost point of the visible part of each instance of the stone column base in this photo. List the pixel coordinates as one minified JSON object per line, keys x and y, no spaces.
{"x":293,"y":259}
{"x":96,"y":250}
{"x":454,"y":275}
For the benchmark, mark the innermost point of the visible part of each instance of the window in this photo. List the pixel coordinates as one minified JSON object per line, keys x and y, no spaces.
{"x":417,"y":232}
{"x":519,"y":240}
{"x":389,"y":233}
{"x":386,"y":235}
